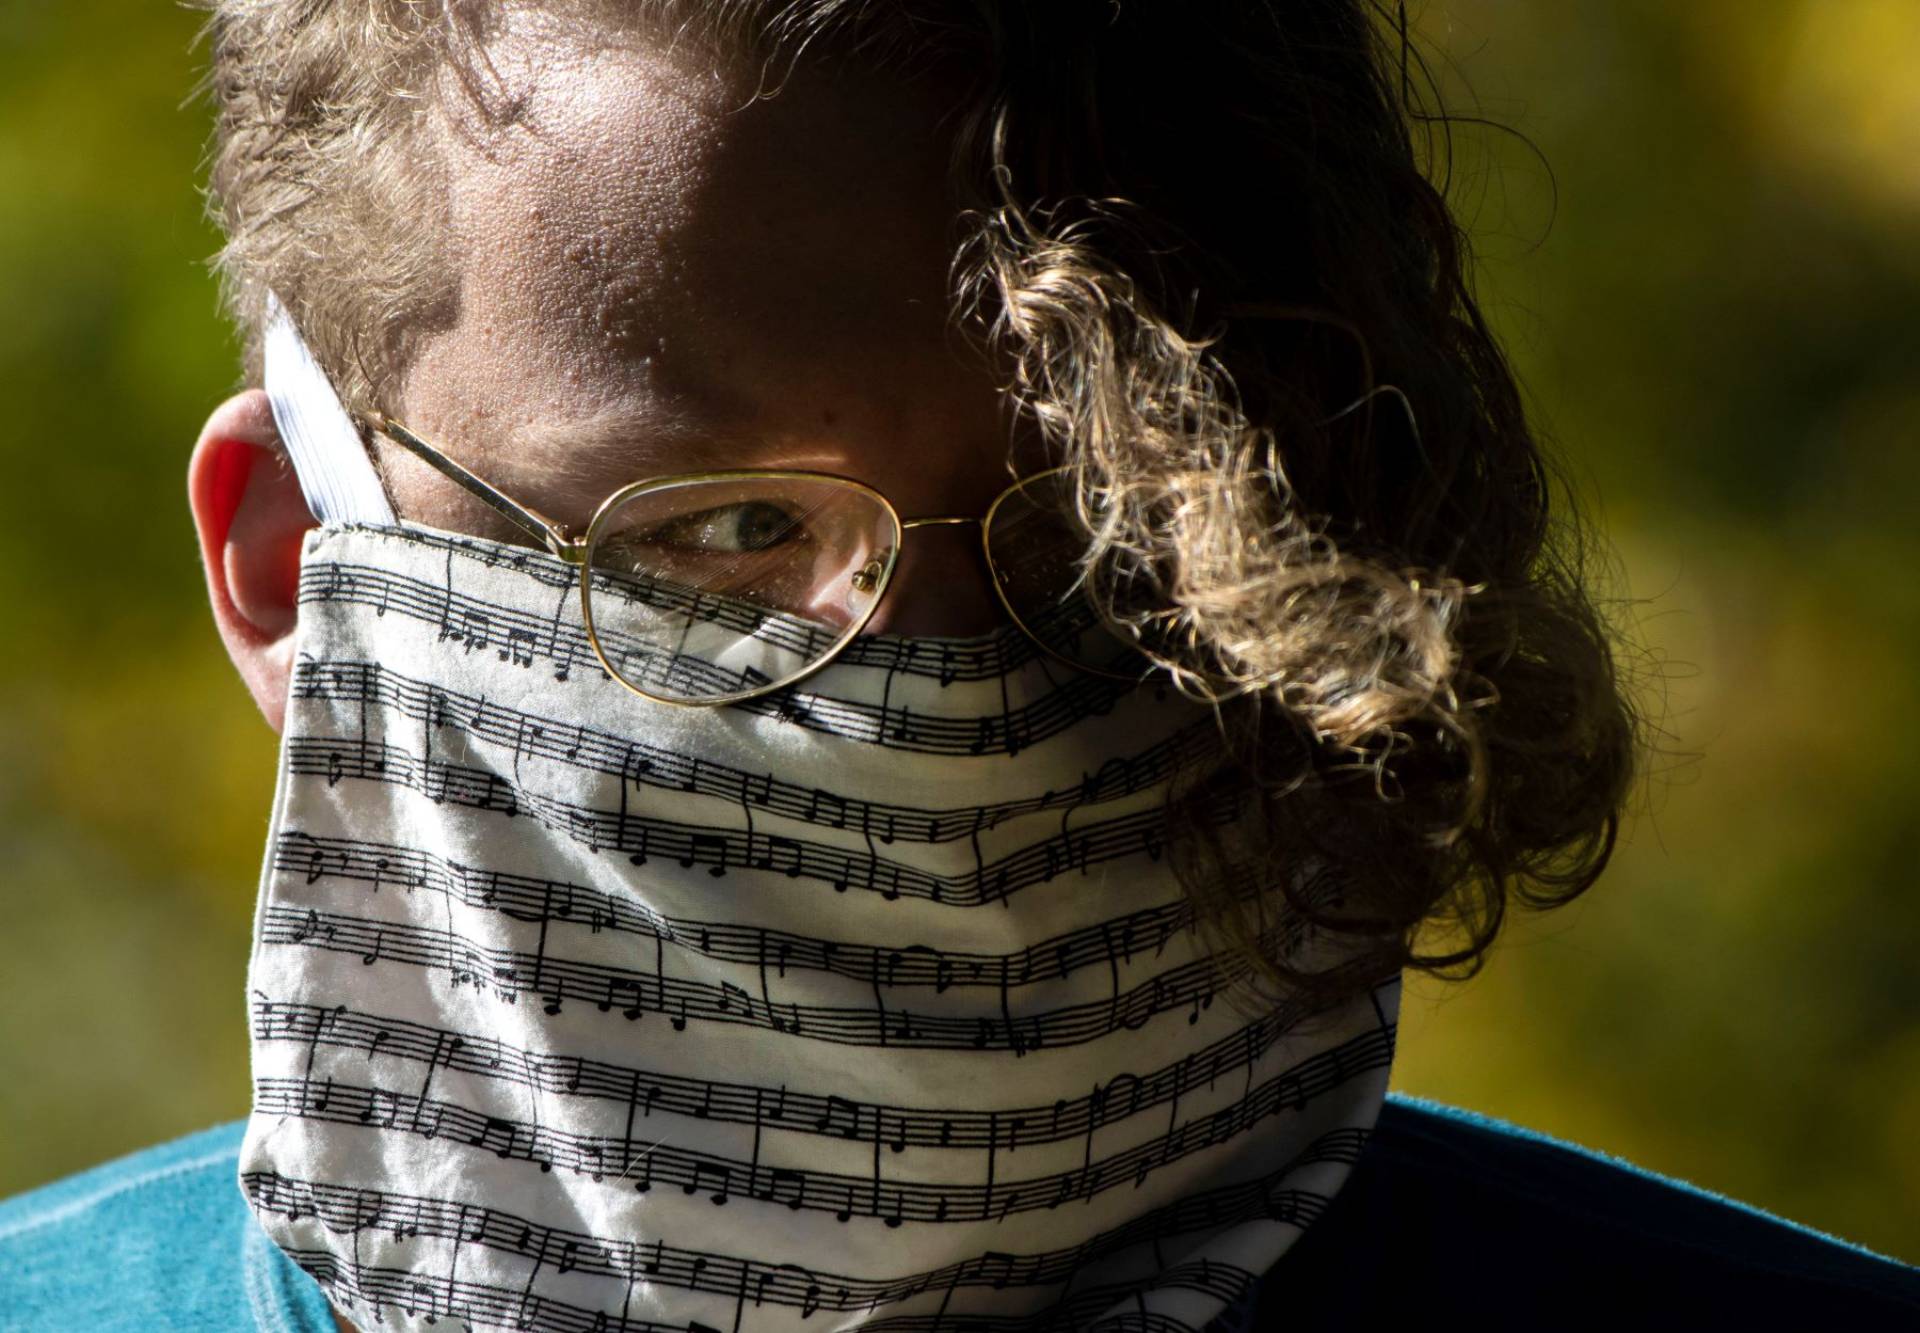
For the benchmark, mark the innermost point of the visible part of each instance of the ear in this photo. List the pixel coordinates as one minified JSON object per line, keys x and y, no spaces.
{"x":251,"y":517}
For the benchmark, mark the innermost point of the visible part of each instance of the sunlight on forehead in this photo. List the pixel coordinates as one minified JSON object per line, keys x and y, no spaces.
{"x":637,"y":441}
{"x":662,"y":272}
{"x":565,"y":211}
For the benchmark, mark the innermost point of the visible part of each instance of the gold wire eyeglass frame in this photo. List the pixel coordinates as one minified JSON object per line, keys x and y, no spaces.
{"x":578,"y":550}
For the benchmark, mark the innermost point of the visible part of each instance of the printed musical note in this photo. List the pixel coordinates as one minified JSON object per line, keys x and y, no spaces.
{"x":564,"y":648}
{"x":519,"y":647}
{"x":756,"y":791}
{"x":371,"y":1112}
{"x":504,"y":1131}
{"x":885,"y":877}
{"x":985,"y":733}
{"x":635,"y":845}
{"x":842,"y":1118}
{"x":776,"y":849}
{"x":468,"y":626}
{"x":711,"y":848}
{"x":628,"y":986}
{"x":704,"y":1174}
{"x":730,"y":995}
{"x":791,"y":1182}
{"x":316,"y":861}
{"x":903,"y":728}
{"x":834,"y":808}
{"x":499,"y":796}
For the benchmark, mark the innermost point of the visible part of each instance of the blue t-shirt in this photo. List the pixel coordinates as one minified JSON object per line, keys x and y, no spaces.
{"x":1450,"y":1217}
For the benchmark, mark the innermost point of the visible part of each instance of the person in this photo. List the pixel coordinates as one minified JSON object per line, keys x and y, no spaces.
{"x":890,"y":623}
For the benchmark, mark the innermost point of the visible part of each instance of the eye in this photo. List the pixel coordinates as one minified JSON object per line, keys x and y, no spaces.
{"x":744,"y":527}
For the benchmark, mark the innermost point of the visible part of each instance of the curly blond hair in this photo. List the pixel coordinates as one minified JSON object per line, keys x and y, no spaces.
{"x":1236,"y":306}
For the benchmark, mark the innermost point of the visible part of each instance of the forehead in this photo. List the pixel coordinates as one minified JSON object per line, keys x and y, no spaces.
{"x":656,"y":231}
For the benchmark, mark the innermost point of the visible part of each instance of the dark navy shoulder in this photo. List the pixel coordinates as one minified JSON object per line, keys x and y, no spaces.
{"x":1449,"y":1210}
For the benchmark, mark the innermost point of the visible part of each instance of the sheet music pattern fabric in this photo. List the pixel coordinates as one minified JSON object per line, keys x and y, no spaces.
{"x":873,"y":1004}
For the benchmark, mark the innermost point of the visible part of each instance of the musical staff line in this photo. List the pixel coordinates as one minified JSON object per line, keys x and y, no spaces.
{"x":1006,"y":650}
{"x":1114,"y":1102}
{"x":344,"y":1209}
{"x":1265,"y":1198}
{"x":510,"y":973}
{"x":641,"y":1167}
{"x":656,"y":767}
{"x":528,"y":898}
{"x":477,"y":1304}
{"x":720,"y":850}
{"x":521,"y":637}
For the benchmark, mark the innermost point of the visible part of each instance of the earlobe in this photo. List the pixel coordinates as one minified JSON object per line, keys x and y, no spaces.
{"x":251,"y":518}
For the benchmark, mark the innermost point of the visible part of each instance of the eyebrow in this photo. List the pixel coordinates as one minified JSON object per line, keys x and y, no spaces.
{"x":632,"y":441}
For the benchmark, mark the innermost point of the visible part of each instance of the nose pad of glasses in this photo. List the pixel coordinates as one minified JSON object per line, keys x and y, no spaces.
{"x":867,"y":577}
{"x":940,"y":587}
{"x":843,"y":587}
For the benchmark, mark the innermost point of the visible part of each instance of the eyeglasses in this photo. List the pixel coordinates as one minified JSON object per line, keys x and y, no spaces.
{"x":717,"y":587}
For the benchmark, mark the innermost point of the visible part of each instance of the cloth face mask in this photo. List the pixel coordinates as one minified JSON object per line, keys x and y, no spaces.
{"x":871,"y":1003}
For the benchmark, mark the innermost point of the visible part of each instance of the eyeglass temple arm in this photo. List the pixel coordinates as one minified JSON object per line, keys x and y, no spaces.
{"x":551,"y":535}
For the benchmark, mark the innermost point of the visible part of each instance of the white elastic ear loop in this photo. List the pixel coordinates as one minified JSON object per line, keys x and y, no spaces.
{"x":336,"y":476}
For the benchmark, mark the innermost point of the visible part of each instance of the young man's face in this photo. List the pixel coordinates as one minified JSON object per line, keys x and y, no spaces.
{"x":662,"y":273}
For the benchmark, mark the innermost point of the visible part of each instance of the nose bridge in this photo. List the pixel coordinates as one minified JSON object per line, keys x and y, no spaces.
{"x":939,"y":585}
{"x":938,"y":520}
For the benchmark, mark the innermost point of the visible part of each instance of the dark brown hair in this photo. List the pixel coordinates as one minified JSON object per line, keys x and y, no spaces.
{"x":1197,"y":233}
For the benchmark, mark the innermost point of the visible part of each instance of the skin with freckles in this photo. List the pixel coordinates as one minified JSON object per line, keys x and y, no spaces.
{"x":664,"y":268}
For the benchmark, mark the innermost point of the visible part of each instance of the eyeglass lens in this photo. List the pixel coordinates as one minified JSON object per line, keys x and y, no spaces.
{"x":1035,"y":543}
{"x":703,"y":590}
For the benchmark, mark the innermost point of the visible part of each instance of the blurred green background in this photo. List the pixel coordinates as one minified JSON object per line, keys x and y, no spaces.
{"x":1714,"y":300}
